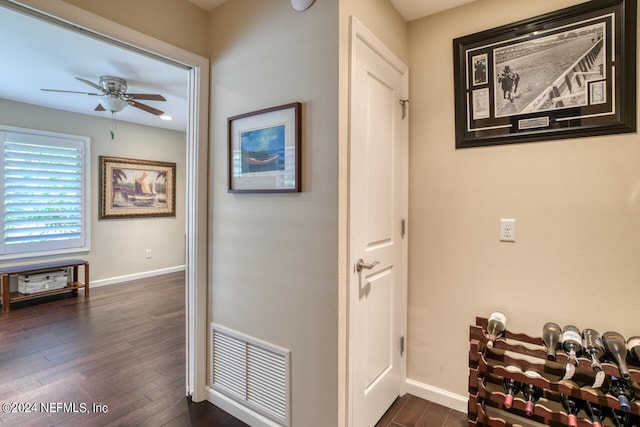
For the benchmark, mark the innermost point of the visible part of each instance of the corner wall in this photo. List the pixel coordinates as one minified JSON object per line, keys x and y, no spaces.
{"x":576,"y":203}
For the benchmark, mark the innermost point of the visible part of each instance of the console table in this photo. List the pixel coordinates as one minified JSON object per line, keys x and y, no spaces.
{"x":74,"y":284}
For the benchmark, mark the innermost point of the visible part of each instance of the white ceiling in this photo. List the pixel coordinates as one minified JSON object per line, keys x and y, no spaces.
{"x":409,"y":9}
{"x":38,"y":55}
{"x":414,"y":9}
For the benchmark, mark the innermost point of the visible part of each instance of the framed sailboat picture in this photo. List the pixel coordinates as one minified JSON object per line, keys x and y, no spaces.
{"x":264,"y":150}
{"x":131,"y":188}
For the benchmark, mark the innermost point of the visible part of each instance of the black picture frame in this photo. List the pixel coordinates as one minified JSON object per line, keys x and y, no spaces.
{"x":572,"y":73}
{"x":258,"y":166}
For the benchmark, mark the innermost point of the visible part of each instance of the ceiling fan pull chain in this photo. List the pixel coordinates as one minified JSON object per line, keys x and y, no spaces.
{"x":115,"y":125}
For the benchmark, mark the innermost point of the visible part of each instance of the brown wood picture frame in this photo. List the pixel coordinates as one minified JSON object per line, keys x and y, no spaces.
{"x":264,"y":150}
{"x":132,"y":188}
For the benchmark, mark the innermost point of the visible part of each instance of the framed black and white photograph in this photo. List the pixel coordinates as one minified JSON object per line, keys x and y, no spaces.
{"x":264,"y":150}
{"x":569,"y":73}
{"x":479,"y":69}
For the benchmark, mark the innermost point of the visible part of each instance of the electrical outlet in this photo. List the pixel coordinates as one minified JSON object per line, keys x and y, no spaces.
{"x":507,"y":230}
{"x":148,"y":253}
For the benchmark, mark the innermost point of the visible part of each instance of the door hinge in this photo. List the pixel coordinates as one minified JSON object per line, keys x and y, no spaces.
{"x":404,"y":103}
{"x":403,"y":227}
{"x":402,"y":345}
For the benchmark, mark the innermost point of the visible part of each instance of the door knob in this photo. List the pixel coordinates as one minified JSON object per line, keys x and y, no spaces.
{"x":360,"y":265}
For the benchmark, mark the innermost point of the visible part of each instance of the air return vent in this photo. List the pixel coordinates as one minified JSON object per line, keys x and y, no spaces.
{"x":252,"y":372}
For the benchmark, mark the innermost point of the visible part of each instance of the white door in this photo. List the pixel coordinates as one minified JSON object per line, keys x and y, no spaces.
{"x":377,"y":203}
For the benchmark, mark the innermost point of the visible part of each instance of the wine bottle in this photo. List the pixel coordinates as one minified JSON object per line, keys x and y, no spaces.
{"x":572,"y":345}
{"x":495,"y":327}
{"x":511,"y":388}
{"x":616,"y":347}
{"x":619,"y":418}
{"x":594,"y":348}
{"x":621,"y":388}
{"x":572,"y":406}
{"x":633,"y":345}
{"x":551,"y":333}
{"x":531,"y":394}
{"x":595,"y":413}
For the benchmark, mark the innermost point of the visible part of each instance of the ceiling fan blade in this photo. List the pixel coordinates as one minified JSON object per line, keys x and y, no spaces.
{"x":90,"y":84}
{"x":100,"y":108}
{"x":146,"y":108}
{"x":146,"y":96}
{"x":71,"y":91}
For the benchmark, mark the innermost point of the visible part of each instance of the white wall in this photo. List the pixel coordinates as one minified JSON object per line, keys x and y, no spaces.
{"x":117,"y":246}
{"x":576,"y":258}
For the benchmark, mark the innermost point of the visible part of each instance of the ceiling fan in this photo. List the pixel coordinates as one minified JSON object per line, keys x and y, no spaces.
{"x":113,"y":95}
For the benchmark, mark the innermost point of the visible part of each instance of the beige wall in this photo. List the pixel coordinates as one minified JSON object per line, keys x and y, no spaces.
{"x":382,"y":19}
{"x":118,"y":246}
{"x":273,"y":256}
{"x":576,"y":203}
{"x":178,"y":22}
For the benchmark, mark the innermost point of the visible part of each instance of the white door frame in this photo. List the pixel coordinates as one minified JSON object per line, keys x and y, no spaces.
{"x":196,"y":179}
{"x":360,"y":32}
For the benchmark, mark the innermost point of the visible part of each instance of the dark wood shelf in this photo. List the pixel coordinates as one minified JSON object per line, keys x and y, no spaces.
{"x":489,"y":366}
{"x":8,"y":297}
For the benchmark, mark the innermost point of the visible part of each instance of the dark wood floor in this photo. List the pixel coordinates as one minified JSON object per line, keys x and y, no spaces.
{"x":411,"y":411}
{"x":122,"y":350}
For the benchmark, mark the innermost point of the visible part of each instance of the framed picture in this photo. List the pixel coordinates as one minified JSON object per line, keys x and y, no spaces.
{"x":264,"y":150}
{"x":569,"y":73}
{"x":131,"y":188}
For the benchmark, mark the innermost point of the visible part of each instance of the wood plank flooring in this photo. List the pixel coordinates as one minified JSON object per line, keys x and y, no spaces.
{"x":121,"y":349}
{"x":118,"y":359}
{"x":411,"y":411}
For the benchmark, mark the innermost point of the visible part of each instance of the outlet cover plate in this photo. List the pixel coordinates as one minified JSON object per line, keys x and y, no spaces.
{"x":507,"y":230}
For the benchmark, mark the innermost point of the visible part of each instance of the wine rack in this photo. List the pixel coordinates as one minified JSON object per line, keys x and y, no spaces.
{"x":523,"y":358}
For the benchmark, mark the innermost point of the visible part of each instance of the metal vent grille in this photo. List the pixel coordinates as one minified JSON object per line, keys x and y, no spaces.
{"x":252,"y":372}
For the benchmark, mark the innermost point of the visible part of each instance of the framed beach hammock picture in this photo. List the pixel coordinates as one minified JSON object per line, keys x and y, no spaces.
{"x":264,"y":150}
{"x":131,"y":188}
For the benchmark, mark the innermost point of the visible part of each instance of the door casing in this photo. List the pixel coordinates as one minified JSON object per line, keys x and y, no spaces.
{"x":197,"y":179}
{"x":360,"y":32}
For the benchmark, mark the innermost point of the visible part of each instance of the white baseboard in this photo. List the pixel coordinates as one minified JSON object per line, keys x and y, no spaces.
{"x":424,"y":391}
{"x":136,"y":276}
{"x":239,"y":411}
{"x":438,"y":395}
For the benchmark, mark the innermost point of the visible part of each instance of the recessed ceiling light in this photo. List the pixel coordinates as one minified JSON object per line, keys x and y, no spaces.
{"x":165,"y":117}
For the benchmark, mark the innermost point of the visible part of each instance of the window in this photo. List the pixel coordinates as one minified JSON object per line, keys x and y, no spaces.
{"x":45,"y":209}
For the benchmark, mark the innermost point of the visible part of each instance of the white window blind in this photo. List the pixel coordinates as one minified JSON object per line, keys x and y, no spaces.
{"x":44,"y":193}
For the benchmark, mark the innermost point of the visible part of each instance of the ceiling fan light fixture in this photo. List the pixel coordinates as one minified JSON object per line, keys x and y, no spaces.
{"x":112,"y":103}
{"x":112,"y":84}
